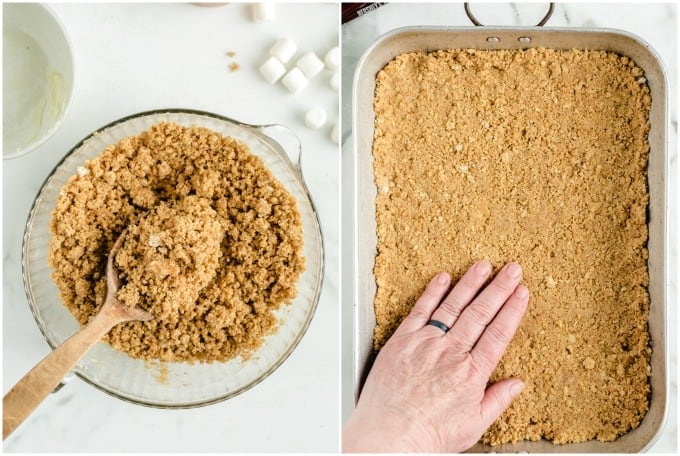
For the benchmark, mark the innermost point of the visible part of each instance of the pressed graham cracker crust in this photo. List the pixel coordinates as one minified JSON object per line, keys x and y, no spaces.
{"x":213,"y":245}
{"x":537,"y":156}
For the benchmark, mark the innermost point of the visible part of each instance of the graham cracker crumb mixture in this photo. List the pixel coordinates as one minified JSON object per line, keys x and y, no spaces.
{"x":213,"y":247}
{"x":537,"y":156}
{"x":168,"y":257}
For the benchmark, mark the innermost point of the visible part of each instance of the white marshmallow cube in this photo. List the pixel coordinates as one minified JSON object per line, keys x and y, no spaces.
{"x":263,"y":12}
{"x":335,"y":134}
{"x":272,"y":70}
{"x":283,"y":49}
{"x":295,"y":81}
{"x":315,"y":118}
{"x":310,"y":64}
{"x":335,"y":81}
{"x":332,"y":58}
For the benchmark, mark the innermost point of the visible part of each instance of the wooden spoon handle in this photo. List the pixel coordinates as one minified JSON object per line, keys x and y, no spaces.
{"x":34,"y":387}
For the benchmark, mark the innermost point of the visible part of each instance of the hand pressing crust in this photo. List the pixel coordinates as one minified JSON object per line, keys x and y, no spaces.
{"x":427,"y":391}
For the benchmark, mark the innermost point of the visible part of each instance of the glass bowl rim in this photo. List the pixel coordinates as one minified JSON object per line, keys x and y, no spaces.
{"x":296,"y":171}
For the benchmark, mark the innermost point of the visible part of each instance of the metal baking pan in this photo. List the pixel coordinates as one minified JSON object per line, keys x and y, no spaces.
{"x":413,"y":39}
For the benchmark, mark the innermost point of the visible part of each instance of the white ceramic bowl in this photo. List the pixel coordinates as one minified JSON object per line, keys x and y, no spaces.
{"x":37,"y":75}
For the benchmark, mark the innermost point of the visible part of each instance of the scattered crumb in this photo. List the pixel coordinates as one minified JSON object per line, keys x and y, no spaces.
{"x":589,"y":363}
{"x":214,"y":245}
{"x":234,"y":67}
{"x":550,"y":282}
{"x":231,"y":54}
{"x":163,"y":374}
{"x":159,"y":370}
{"x":537,"y":156}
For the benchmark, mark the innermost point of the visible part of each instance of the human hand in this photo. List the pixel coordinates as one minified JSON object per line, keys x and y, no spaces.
{"x":427,"y":391}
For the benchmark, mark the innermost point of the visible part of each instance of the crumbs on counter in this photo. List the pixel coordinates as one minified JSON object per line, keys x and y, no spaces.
{"x":233,"y":66}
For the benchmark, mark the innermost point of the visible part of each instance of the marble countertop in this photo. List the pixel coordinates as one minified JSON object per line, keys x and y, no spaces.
{"x":137,"y":57}
{"x":655,"y":23}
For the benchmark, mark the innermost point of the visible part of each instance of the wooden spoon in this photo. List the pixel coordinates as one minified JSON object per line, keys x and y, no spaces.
{"x":34,"y":387}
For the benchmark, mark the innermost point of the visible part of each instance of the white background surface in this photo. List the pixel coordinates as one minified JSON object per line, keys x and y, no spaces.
{"x":655,"y":23}
{"x":132,"y":58}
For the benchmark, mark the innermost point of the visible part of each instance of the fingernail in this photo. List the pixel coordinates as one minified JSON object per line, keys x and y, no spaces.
{"x":483,"y":268}
{"x":516,"y":388}
{"x":522,"y":292}
{"x":515,"y":270}
{"x":442,"y":278}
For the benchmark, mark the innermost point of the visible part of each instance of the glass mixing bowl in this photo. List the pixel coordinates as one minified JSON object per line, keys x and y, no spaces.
{"x":175,"y":385}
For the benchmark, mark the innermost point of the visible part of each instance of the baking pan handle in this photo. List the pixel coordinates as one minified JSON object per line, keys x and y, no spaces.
{"x":474,"y":20}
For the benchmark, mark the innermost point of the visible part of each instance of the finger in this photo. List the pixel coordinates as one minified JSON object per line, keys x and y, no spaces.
{"x":491,"y":345}
{"x":425,"y":305}
{"x":497,"y":398}
{"x":472,"y":322}
{"x":461,"y":295}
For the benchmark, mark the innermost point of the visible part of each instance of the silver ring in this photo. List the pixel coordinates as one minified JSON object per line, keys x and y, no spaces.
{"x":439,"y":325}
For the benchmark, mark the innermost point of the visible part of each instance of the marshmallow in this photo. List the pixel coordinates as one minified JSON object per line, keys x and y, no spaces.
{"x":335,"y":81}
{"x":335,"y":134}
{"x":332,"y":58}
{"x":263,"y":12}
{"x":315,"y":118}
{"x":310,"y":64}
{"x":295,"y":81}
{"x":272,"y":70}
{"x":283,"y":49}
